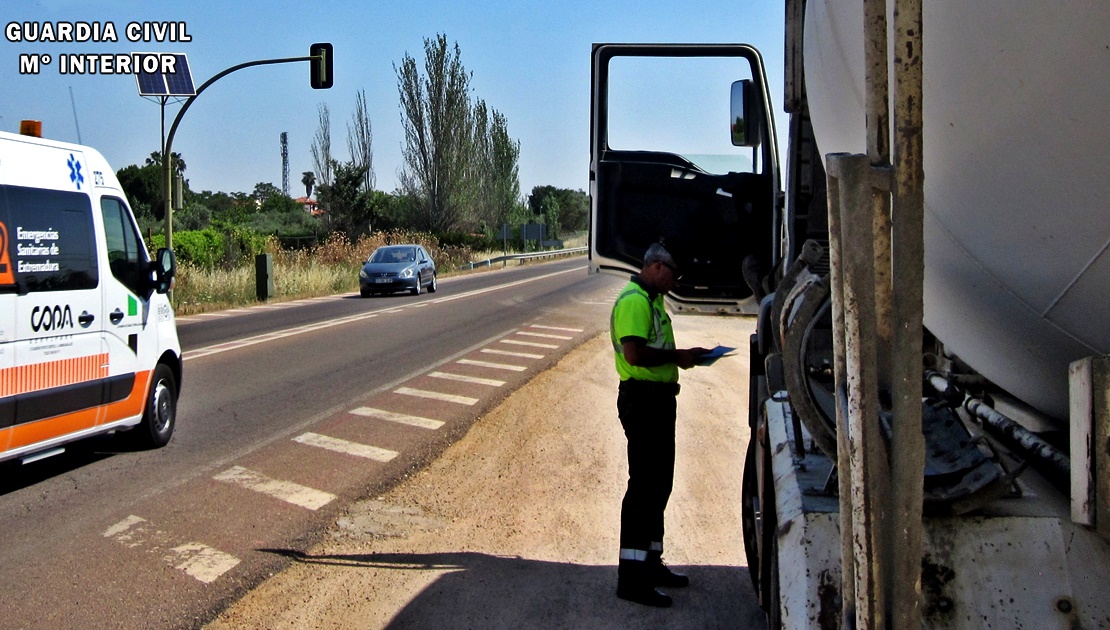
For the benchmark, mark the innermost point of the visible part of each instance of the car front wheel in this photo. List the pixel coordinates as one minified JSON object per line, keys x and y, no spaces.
{"x":416,"y":289}
{"x":160,"y":413}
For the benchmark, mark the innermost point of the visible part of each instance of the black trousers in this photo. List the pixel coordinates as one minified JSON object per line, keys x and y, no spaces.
{"x":647,"y":413}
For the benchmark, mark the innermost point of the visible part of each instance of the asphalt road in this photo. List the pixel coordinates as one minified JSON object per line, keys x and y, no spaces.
{"x":288,"y":413}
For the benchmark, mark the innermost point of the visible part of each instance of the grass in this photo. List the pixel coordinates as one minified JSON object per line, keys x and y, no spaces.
{"x":328,"y":269}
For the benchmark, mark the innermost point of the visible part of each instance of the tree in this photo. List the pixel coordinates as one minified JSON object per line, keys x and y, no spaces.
{"x":572,"y":207}
{"x":349,"y":207}
{"x":143,"y":185}
{"x":265,"y":190}
{"x":360,"y":140}
{"x":321,"y":147}
{"x":437,"y":119}
{"x":503,"y":171}
{"x":177,"y":163}
{"x":309,"y":180}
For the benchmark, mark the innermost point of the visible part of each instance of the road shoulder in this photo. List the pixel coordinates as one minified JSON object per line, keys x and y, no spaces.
{"x":516,"y":524}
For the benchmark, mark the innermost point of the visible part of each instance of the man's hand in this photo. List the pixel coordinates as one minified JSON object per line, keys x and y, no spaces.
{"x":689,"y":358}
{"x":638,"y":353}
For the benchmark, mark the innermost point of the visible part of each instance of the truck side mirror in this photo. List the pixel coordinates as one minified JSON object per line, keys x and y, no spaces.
{"x":164,"y":267}
{"x":746,"y":115}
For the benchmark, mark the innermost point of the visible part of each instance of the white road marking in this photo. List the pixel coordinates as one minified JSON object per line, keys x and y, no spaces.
{"x":381,"y":414}
{"x":545,"y":335}
{"x":349,"y":448}
{"x":496,"y":366}
{"x":422,"y":393}
{"x":523,"y":355}
{"x":284,"y":490}
{"x":115,"y":530}
{"x":529,"y":343}
{"x":501,"y":286}
{"x":201,"y":561}
{"x":196,"y":559}
{"x":235,"y":345}
{"x":467,"y":379}
{"x":573,"y":330}
{"x":250,"y":341}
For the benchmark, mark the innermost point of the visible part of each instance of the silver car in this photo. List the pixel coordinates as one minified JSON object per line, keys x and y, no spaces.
{"x":398,"y":268}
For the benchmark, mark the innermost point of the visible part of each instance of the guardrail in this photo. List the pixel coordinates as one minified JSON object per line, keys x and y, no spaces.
{"x":501,"y":259}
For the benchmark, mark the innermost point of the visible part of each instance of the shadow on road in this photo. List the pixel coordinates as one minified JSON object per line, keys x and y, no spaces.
{"x":479,"y":590}
{"x":17,"y":476}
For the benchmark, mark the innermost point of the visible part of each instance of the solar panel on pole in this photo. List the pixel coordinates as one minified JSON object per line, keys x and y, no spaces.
{"x":157,"y":83}
{"x":180,"y":83}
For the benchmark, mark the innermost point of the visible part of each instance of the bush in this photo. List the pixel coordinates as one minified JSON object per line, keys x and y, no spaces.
{"x":478,"y":242}
{"x":199,"y":248}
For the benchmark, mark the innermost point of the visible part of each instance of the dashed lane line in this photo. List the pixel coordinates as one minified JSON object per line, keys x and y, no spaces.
{"x":463,"y":378}
{"x":381,"y":414}
{"x":348,"y":448}
{"x":559,"y":328}
{"x":545,"y":335}
{"x":287,"y":491}
{"x":490,"y":364}
{"x":197,"y":560}
{"x":423,"y":393}
{"x":531,"y":344}
{"x":507,"y":353}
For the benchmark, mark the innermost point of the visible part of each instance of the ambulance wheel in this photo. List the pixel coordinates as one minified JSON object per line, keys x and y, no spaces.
{"x":160,"y":412}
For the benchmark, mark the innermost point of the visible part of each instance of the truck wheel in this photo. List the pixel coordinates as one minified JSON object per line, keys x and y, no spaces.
{"x":750,"y":515}
{"x":160,"y":413}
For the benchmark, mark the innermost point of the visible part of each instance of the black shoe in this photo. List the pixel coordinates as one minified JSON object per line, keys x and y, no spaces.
{"x":661,"y":575}
{"x":642,"y":594}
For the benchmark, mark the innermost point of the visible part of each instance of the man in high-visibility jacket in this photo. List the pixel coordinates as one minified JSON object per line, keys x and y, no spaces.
{"x":647,"y":362}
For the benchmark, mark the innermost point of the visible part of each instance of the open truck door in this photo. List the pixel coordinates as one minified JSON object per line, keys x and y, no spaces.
{"x":683,"y":150}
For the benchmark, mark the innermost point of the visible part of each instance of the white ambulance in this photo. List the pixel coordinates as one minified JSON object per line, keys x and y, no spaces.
{"x":88,"y":343}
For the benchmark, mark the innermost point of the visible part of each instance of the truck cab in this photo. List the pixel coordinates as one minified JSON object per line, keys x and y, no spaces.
{"x":683,"y":151}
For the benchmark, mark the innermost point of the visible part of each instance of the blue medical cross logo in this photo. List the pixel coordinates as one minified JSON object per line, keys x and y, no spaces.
{"x":75,"y":175}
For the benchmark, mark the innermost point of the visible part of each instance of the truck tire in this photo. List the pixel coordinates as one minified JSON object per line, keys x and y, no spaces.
{"x":160,"y":411}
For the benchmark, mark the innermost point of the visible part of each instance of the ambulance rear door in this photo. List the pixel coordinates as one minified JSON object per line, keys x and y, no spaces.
{"x":54,"y":387}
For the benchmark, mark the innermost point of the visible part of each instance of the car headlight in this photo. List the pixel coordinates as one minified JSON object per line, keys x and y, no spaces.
{"x":407,"y":273}
{"x":362,"y":274}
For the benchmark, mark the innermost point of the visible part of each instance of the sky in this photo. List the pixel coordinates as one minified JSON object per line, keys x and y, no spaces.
{"x":529,"y":60}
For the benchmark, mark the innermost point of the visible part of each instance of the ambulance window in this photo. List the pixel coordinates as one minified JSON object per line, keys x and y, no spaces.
{"x":126,"y":254}
{"x":49,"y":240}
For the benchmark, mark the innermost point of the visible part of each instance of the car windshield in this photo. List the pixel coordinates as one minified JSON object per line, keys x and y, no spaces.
{"x":394,"y":255}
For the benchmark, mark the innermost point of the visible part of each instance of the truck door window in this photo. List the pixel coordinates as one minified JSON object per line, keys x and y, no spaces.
{"x":678,"y":106}
{"x":49,"y":239}
{"x":126,"y":253}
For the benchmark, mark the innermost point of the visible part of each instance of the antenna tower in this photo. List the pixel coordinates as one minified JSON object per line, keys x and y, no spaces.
{"x":285,"y":163}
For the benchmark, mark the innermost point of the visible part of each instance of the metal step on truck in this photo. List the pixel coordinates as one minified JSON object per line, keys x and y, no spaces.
{"x":928,"y":262}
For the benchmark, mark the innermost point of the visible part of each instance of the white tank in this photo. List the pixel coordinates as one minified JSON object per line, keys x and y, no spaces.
{"x":1017,"y":176}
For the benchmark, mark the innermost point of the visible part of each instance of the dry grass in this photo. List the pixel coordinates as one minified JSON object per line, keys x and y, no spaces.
{"x":329,"y":268}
